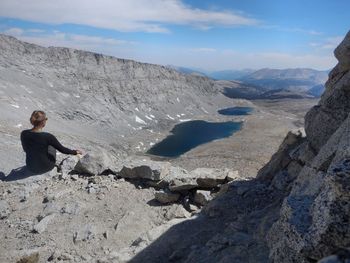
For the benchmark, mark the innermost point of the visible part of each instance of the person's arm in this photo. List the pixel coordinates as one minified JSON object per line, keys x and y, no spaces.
{"x":23,"y":142}
{"x":56,"y":144}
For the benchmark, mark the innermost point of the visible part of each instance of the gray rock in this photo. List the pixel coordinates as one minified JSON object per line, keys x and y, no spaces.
{"x":145,"y":169}
{"x":31,"y":258}
{"x":68,"y":164}
{"x":281,"y":159}
{"x":333,"y":108}
{"x":176,"y":211}
{"x":209,"y":177}
{"x":74,"y":177}
{"x":4,"y":209}
{"x":84,"y":233}
{"x":202,"y":197}
{"x":182,"y":184}
{"x":166,"y":197}
{"x":42,"y":225}
{"x":233,"y":175}
{"x":95,"y":163}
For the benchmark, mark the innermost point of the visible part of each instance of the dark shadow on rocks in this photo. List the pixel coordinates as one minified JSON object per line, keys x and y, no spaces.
{"x":224,"y":231}
{"x":17,"y":174}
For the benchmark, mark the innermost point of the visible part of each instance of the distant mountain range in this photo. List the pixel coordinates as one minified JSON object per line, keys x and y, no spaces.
{"x":297,"y":82}
{"x":230,"y":74}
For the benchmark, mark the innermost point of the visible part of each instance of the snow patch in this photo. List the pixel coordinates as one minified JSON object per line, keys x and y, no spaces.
{"x":137,"y":109}
{"x":171,"y":118}
{"x":151,"y":143}
{"x":178,"y":100}
{"x":184,"y":120}
{"x":15,"y":106}
{"x":178,"y":115}
{"x":19,"y":125}
{"x":182,"y":114}
{"x":152,"y":116}
{"x":77,"y":96}
{"x":147,"y":117}
{"x":205,"y":110}
{"x":50,"y":84}
{"x":139,"y":120}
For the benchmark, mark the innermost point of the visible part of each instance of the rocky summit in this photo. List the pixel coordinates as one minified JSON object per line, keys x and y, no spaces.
{"x":113,"y":206}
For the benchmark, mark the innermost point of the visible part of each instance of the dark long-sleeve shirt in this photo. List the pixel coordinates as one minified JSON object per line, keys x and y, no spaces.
{"x":36,"y":145}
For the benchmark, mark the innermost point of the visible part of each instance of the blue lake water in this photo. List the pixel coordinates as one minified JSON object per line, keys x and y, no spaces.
{"x":238,"y":111}
{"x":187,"y":135}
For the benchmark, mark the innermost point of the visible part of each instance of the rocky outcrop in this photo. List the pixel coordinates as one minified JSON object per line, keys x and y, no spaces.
{"x":313,"y":219}
{"x":325,"y":118}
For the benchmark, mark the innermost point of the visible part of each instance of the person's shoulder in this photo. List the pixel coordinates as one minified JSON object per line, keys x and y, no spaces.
{"x":48,"y":135}
{"x":24,"y":132}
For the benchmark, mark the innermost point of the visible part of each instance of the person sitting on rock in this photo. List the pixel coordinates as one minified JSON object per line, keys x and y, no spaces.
{"x":40,"y":147}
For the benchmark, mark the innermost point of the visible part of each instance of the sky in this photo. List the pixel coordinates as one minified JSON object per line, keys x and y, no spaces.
{"x":201,"y":34}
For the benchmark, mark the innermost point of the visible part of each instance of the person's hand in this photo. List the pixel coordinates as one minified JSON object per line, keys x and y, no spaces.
{"x":79,"y":152}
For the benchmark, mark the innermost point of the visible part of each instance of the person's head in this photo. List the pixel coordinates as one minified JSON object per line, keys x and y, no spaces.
{"x":38,"y":119}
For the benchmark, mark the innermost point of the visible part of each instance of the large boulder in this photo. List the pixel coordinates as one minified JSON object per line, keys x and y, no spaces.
{"x":145,"y":169}
{"x":180,"y":180}
{"x":95,"y":163}
{"x":165,"y":197}
{"x":209,"y":177}
{"x":68,"y":164}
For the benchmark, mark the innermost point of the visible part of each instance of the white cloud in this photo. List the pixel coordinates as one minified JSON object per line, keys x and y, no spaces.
{"x":15,"y":31}
{"x":292,"y":30}
{"x":328,"y":44}
{"x":130,"y":15}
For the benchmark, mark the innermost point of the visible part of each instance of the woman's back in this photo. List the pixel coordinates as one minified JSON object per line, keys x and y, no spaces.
{"x":36,"y":145}
{"x":40,"y":147}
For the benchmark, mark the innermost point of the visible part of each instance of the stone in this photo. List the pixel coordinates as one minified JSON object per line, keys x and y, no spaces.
{"x":42,"y":225}
{"x":281,"y":159}
{"x":84,"y":233}
{"x":74,"y":177}
{"x":233,"y":175}
{"x":202,"y":197}
{"x":4,"y":209}
{"x":145,"y":169}
{"x":95,"y":163}
{"x":209,"y":177}
{"x":72,"y":208}
{"x":177,"y":211}
{"x":166,"y":197}
{"x":67,"y":165}
{"x":182,"y":184}
{"x":32,"y":258}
